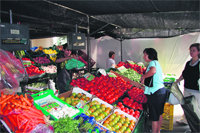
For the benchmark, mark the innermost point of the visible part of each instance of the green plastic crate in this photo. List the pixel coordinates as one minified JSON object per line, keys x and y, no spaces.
{"x":49,"y":95}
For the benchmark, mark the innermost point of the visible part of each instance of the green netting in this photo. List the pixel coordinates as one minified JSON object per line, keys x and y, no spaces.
{"x":73,"y":63}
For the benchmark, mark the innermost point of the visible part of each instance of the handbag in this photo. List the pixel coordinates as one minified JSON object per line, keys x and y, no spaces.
{"x":148,"y":81}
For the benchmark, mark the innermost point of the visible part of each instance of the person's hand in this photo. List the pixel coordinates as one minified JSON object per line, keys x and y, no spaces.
{"x":142,"y":80}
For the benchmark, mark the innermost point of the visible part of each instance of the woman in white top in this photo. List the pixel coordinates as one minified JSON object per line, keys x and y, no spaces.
{"x":111,"y":62}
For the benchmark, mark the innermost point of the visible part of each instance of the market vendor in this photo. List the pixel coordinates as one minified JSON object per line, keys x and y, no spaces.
{"x":63,"y":75}
{"x":111,"y":62}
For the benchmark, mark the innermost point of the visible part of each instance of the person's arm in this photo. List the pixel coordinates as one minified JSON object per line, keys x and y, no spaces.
{"x":179,"y":79}
{"x":62,"y":59}
{"x":150,"y":73}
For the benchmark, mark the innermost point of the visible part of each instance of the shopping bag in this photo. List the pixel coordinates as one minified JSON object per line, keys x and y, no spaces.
{"x":192,"y":113}
{"x":173,"y":100}
{"x":176,"y":96}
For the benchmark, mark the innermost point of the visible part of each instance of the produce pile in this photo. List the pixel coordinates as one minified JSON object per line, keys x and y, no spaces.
{"x":49,"y":69}
{"x":52,"y":54}
{"x":140,"y":69}
{"x":106,"y":88}
{"x":74,"y":99}
{"x":131,"y":103}
{"x":36,"y":87}
{"x":34,"y":71}
{"x":118,"y":122}
{"x":131,"y":74}
{"x":19,"y":113}
{"x":137,"y":95}
{"x":27,"y":62}
{"x":98,"y":111}
{"x":132,"y":112}
{"x":42,"y":60}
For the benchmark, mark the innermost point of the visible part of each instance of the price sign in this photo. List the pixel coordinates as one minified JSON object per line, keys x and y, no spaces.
{"x":89,"y":76}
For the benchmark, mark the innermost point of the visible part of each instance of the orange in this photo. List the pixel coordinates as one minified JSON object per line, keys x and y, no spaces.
{"x":117,"y":113}
{"x":92,"y":110}
{"x":119,"y":124}
{"x":130,"y":127}
{"x":106,"y":121}
{"x":122,"y":116}
{"x":125,"y":124}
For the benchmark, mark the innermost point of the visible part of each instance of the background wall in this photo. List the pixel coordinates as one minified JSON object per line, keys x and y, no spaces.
{"x":172,"y":52}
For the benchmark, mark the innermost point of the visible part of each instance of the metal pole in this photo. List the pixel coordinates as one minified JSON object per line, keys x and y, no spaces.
{"x":10,"y":16}
{"x":121,"y":49}
{"x":88,"y":42}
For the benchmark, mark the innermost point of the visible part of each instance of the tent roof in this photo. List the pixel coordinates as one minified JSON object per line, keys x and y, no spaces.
{"x":117,"y":18}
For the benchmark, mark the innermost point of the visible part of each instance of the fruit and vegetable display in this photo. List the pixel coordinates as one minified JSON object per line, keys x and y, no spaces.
{"x":98,"y":110}
{"x":66,"y":124}
{"x":19,"y":114}
{"x":132,"y":112}
{"x":36,"y":87}
{"x":42,"y":60}
{"x":20,"y":53}
{"x":33,"y":71}
{"x":75,"y":98}
{"x":119,"y":122}
{"x":60,"y":111}
{"x":106,"y":88}
{"x":140,"y":69}
{"x":52,"y":53}
{"x":27,"y":62}
{"x":137,"y":95}
{"x":131,"y":74}
{"x":49,"y":69}
{"x":131,"y":103}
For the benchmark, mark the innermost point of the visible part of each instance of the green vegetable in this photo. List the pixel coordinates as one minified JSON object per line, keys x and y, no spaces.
{"x":66,"y":125}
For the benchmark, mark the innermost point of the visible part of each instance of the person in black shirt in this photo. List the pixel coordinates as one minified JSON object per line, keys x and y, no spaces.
{"x":63,"y":76}
{"x":190,"y":75}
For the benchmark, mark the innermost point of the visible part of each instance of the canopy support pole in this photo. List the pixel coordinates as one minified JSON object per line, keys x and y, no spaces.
{"x":121,"y":48}
{"x":88,"y":42}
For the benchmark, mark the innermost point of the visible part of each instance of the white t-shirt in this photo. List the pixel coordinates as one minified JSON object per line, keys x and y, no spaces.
{"x":110,"y":63}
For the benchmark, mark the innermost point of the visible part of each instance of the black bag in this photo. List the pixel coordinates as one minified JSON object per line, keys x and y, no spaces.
{"x":148,"y":81}
{"x":63,"y":80}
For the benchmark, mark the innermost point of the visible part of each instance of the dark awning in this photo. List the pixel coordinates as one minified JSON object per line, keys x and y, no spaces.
{"x":116,"y":18}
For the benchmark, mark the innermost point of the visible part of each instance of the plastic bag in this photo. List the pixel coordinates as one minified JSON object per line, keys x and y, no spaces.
{"x":73,"y":63}
{"x":176,"y":96}
{"x":42,"y":128}
{"x":85,"y":58}
{"x":11,"y":69}
{"x":173,"y":100}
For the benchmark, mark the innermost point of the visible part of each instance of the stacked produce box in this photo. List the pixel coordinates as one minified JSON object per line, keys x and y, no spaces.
{"x":167,"y":123}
